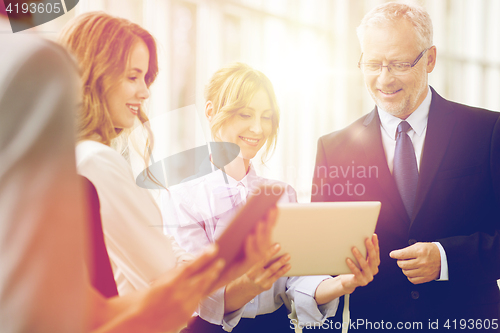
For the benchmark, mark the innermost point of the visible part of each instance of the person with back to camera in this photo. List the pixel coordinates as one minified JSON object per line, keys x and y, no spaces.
{"x":241,"y":108}
{"x":438,"y":180}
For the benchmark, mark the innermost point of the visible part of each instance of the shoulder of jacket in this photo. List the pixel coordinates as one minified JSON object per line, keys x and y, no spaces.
{"x":344,"y":135}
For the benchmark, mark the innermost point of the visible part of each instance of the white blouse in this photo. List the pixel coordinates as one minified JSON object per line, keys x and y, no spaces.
{"x":138,"y":250}
{"x":196,"y":212}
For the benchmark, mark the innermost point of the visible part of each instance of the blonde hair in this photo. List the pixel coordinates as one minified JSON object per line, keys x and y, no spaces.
{"x":391,"y":12}
{"x":102,"y":44}
{"x":232,"y":88}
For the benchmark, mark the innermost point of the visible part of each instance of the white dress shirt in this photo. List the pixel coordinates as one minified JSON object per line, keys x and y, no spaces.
{"x":138,"y":250}
{"x":198,"y":211}
{"x":418,"y":122}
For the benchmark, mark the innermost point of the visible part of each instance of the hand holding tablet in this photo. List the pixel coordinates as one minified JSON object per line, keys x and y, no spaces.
{"x":343,"y":284}
{"x":365,"y":268}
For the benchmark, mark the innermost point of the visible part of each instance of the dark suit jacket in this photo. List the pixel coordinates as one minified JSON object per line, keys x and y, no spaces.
{"x":457,"y":204}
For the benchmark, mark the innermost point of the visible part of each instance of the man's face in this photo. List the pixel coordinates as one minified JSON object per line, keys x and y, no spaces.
{"x":398,"y":95}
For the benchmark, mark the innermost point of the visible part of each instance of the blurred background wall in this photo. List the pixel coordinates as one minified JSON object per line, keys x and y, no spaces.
{"x":309,"y":50}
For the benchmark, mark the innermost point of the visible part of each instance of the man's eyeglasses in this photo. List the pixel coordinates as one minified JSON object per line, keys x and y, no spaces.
{"x":397,"y":68}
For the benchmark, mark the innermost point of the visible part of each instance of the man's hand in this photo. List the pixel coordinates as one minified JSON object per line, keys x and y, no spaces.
{"x":420,"y":262}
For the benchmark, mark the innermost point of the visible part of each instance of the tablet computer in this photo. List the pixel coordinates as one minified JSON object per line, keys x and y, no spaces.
{"x":319,"y":236}
{"x":259,"y":202}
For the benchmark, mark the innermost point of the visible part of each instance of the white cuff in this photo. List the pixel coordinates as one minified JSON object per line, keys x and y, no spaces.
{"x":444,"y":263}
{"x":211,"y":309}
{"x":308,"y":311}
{"x":232,"y":319}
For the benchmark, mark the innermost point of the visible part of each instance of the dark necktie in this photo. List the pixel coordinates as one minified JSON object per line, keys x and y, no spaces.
{"x":405,"y":167}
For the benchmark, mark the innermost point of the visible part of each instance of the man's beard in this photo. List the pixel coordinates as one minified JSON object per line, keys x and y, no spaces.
{"x":402,"y":108}
{"x":395,"y":109}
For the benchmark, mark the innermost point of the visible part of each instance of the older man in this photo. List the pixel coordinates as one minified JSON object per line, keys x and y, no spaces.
{"x":435,"y":166}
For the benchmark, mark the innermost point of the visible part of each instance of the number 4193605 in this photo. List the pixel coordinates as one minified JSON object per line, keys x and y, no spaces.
{"x":34,"y":8}
{"x":471,"y":324}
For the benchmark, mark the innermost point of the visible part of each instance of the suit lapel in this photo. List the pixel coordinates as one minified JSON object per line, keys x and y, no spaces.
{"x":439,"y":128}
{"x":375,"y":154}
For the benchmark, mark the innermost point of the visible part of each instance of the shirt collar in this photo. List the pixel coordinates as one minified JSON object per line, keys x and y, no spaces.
{"x":217,"y":177}
{"x":417,"y":120}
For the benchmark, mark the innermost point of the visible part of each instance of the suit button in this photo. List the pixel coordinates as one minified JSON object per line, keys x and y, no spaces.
{"x":415,"y":295}
{"x":412,"y":241}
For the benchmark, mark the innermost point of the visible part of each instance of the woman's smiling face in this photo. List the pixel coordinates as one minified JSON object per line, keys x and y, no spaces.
{"x":127,"y":96}
{"x":251,"y":126}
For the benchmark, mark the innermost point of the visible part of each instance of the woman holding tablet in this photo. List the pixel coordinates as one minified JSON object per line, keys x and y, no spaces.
{"x":241,"y":109}
{"x":118,"y":63}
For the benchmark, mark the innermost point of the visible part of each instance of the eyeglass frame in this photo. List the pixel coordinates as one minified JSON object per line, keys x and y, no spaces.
{"x":381,"y":66}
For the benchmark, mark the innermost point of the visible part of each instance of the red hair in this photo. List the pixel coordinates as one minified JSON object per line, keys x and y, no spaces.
{"x":102,"y":45}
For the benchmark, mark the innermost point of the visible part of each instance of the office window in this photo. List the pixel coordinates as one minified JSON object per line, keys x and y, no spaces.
{"x":309,"y":50}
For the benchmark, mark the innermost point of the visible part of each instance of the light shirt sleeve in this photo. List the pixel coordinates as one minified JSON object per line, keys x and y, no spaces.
{"x":443,"y":276}
{"x":301,"y":291}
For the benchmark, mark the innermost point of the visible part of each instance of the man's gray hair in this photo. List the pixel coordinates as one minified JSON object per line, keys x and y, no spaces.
{"x":391,"y":12}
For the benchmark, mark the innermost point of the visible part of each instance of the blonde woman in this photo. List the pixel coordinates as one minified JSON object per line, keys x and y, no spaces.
{"x":241,"y":108}
{"x":118,"y":63}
